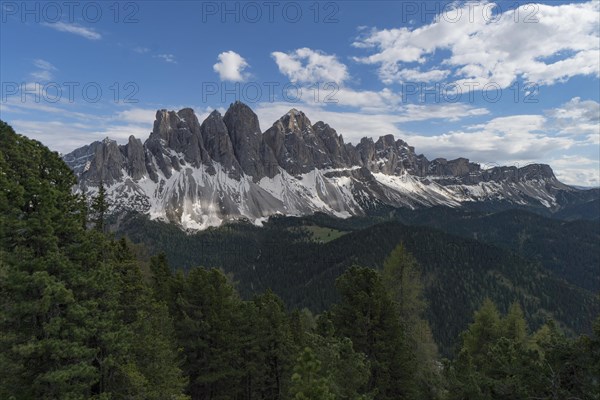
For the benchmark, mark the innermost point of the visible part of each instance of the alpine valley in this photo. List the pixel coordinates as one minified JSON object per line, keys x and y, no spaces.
{"x":199,"y":175}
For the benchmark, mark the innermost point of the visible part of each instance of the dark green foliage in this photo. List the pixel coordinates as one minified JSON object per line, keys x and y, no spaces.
{"x":75,"y":317}
{"x":347,"y":370}
{"x":207,"y":314}
{"x":99,"y":208}
{"x":368,"y":317}
{"x":569,"y":249}
{"x":402,"y":278}
{"x":499,"y":360}
{"x":307,"y":383}
{"x":456,"y":273}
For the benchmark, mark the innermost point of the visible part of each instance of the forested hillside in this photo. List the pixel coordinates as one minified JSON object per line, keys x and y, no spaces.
{"x":458,"y":272}
{"x":82,"y":316}
{"x":567,"y":248}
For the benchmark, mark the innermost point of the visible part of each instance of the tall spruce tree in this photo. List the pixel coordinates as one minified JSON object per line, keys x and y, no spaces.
{"x":367,"y":315}
{"x":208,"y":313}
{"x":99,"y":208}
{"x":401,"y":275}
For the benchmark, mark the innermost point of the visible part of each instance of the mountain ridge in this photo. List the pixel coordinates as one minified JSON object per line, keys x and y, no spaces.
{"x":226,"y":168}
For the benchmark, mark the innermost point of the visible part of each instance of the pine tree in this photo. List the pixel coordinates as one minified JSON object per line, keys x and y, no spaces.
{"x":402,"y":278}
{"x":274,"y":342}
{"x":348,"y":371}
{"x":483,"y":332}
{"x":99,"y":208}
{"x":207,"y":317}
{"x":514,"y":326}
{"x":162,"y":280}
{"x":367,"y":315}
{"x":307,"y":382}
{"x":45,"y":341}
{"x":151,"y":369}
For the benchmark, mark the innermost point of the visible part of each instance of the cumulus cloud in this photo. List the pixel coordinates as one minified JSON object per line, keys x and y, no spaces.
{"x":75,"y":29}
{"x":563,"y":41}
{"x":502,"y":140}
{"x":320,"y":80}
{"x":231,"y":67}
{"x":578,"y":117}
{"x":577,"y":170}
{"x":310,"y":66}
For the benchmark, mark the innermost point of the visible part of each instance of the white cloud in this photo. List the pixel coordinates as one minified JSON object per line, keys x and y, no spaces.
{"x":43,"y":64}
{"x":310,"y":66}
{"x":41,"y":75}
{"x":500,"y":140}
{"x":448,"y":112}
{"x":44,"y":73}
{"x":75,"y":29}
{"x":170,"y":58}
{"x":367,"y":101}
{"x":578,"y":117}
{"x":577,"y":170}
{"x":416,"y":75}
{"x":564,"y":42}
{"x":76,"y":129}
{"x":231,"y":67}
{"x":136,"y":115}
{"x":141,"y":50}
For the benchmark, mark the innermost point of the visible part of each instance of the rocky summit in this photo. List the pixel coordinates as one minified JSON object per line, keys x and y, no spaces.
{"x":199,"y":175}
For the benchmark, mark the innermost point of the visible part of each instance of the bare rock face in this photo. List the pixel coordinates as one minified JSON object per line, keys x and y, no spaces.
{"x":218,"y":144}
{"x":366,"y":153}
{"x":98,"y":162}
{"x":244,"y":130}
{"x":338,"y":153}
{"x":201,"y":174}
{"x":135,"y":156}
{"x":296,"y":145}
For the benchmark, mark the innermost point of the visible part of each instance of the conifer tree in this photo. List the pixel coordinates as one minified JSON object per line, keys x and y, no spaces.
{"x":72,"y":303}
{"x":99,"y":208}
{"x":402,"y":278}
{"x":367,"y":315}
{"x":307,"y":381}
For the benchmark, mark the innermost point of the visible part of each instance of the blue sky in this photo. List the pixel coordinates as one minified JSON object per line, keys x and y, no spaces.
{"x":500,"y":83}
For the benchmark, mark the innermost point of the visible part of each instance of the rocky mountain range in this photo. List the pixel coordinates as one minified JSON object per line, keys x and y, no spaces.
{"x":200,"y":174}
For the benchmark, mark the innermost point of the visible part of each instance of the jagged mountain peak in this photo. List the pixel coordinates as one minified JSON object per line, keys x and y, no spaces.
{"x":296,"y":122}
{"x":215,"y":114}
{"x":386,"y":141}
{"x":240,"y":117}
{"x":201,"y":174}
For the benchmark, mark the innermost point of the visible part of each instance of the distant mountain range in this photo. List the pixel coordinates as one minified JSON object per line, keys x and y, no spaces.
{"x":198,"y":175}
